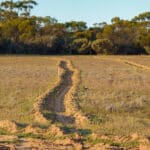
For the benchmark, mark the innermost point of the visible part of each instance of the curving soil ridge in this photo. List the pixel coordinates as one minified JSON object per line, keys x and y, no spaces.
{"x":61,"y":100}
{"x":136,"y":65}
{"x":71,"y":100}
{"x":38,"y":107}
{"x":131,"y":63}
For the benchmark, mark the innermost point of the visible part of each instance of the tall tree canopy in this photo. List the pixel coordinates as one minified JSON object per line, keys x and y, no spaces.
{"x":21,"y":33}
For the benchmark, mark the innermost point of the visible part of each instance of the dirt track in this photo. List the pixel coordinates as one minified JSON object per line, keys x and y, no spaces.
{"x":61,"y":103}
{"x":55,"y":102}
{"x":131,"y":63}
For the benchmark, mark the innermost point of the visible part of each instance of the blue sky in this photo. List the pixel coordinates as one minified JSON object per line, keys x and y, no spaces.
{"x":90,"y":11}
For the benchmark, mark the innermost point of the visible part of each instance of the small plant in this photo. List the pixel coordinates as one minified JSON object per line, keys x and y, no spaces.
{"x":49,"y":115}
{"x":50,"y":137}
{"x":4,"y":132}
{"x":130,"y":144}
{"x":68,"y":130}
{"x":96,"y":119}
{"x":30,"y":135}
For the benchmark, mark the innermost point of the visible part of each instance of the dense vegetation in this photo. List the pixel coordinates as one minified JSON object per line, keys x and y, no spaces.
{"x":21,"y":33}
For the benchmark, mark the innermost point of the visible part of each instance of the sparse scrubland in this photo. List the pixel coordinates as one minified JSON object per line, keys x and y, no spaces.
{"x":95,"y":102}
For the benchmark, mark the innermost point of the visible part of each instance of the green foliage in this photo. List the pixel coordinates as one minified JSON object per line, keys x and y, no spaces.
{"x":29,"y":135}
{"x":103,"y":46}
{"x":25,"y":34}
{"x":76,"y":26}
{"x":96,"y":119}
{"x":81,"y":45}
{"x":142,"y":17}
{"x":4,"y":132}
{"x":126,"y":144}
{"x":147,"y":49}
{"x":115,"y":20}
{"x":144,"y":40}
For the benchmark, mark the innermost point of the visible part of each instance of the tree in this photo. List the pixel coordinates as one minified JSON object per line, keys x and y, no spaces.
{"x":22,"y":33}
{"x":115,"y":20}
{"x":8,"y":5}
{"x":26,"y":5}
{"x":142,"y":17}
{"x":7,"y":10}
{"x":82,"y":46}
{"x":74,"y":26}
{"x":123,"y":35}
{"x":144,"y":40}
{"x":103,"y":46}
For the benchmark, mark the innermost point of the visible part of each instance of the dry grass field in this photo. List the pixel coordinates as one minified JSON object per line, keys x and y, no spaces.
{"x":97,"y":99}
{"x":22,"y":80}
{"x":114,"y":95}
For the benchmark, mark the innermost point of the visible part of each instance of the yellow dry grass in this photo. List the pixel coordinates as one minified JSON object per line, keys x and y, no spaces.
{"x":38,"y":106}
{"x":22,"y":80}
{"x":114,"y":95}
{"x":108,"y":95}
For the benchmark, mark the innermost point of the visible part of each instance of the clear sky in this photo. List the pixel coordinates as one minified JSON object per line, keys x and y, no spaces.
{"x":90,"y":11}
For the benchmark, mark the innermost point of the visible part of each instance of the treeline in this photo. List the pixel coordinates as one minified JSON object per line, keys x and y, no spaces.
{"x":21,"y":33}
